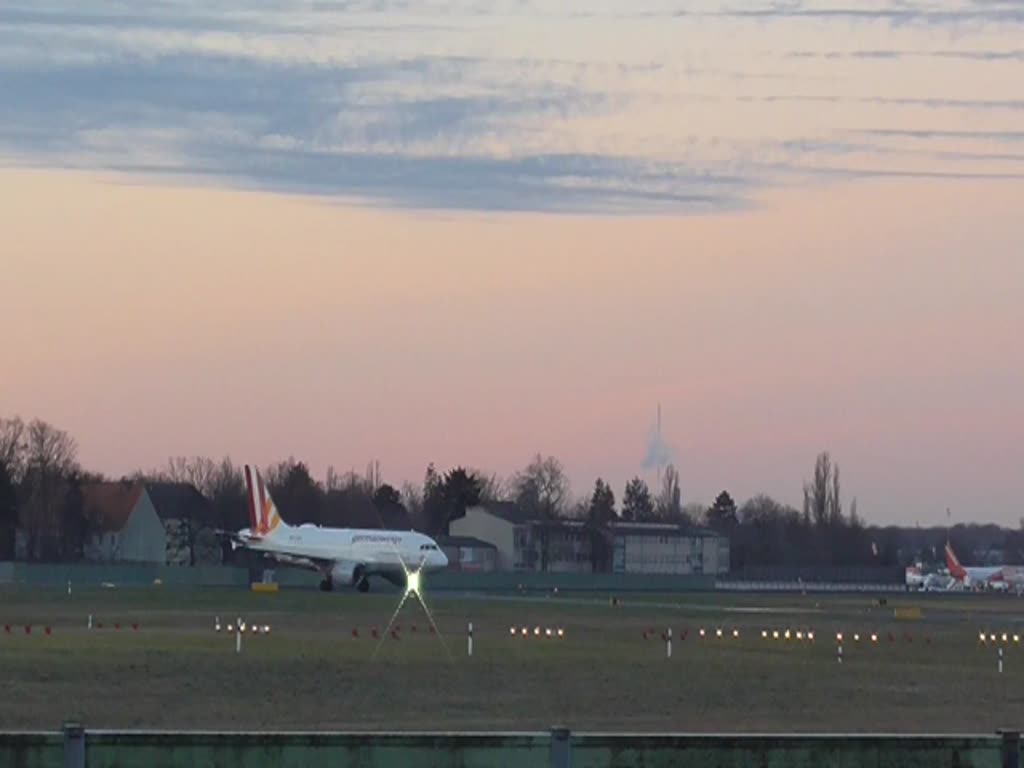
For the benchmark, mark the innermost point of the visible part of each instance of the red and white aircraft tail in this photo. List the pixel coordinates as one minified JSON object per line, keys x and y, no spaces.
{"x":996,"y":576}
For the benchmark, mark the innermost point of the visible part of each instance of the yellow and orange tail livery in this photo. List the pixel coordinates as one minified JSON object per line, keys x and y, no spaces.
{"x":264,"y":518}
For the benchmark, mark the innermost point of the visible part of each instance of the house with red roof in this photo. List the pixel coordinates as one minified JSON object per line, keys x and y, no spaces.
{"x":134,"y":521}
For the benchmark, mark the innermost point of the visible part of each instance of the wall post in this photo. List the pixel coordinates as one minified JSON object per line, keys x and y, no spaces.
{"x":560,"y":756}
{"x":74,"y":745}
{"x":1010,"y":748}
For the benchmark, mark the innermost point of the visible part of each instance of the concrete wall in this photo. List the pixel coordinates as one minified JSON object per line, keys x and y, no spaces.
{"x":566,"y":582}
{"x":856,"y":574}
{"x":124,"y":575}
{"x":557,"y":749}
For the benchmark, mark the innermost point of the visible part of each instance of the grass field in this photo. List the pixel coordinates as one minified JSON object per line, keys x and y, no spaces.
{"x":311,"y":673}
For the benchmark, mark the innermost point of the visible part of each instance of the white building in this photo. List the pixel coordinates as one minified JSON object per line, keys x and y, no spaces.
{"x":136,"y":522}
{"x":668,"y":548}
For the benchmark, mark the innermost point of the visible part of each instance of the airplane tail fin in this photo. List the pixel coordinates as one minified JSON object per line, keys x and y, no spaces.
{"x":264,"y":519}
{"x":955,"y":569}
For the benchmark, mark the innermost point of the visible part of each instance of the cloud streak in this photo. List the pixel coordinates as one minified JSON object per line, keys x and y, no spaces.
{"x":466,"y":105}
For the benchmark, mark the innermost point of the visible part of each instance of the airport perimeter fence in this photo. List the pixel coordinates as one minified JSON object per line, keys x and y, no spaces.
{"x":75,"y":747}
{"x":806,"y":586}
{"x":820,"y":574}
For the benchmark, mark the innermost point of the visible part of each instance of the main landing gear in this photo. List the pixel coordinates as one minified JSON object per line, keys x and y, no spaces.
{"x":327,"y":584}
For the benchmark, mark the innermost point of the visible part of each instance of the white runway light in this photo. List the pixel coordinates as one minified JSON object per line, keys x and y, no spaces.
{"x":413,"y":582}
{"x":412,"y":589}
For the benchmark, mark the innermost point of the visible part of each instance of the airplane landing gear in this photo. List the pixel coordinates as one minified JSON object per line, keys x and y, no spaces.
{"x":363,"y":585}
{"x":326,"y":585}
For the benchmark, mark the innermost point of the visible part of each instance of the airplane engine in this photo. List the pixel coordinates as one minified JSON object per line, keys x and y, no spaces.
{"x":346,"y":573}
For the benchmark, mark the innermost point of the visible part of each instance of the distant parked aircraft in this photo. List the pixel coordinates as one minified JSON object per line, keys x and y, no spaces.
{"x":917,"y":579}
{"x":341,"y":555}
{"x":1001,"y":577}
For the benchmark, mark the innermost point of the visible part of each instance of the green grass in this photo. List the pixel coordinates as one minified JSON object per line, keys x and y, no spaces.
{"x":310,"y":673}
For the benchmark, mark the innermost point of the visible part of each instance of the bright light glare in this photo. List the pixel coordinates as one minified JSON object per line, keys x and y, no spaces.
{"x":413,"y":582}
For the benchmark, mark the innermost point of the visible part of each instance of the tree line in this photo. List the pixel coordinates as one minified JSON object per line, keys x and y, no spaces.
{"x":42,"y":481}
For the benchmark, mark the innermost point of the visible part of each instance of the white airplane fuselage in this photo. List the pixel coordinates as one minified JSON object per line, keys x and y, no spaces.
{"x":350,"y":551}
{"x":378,"y":550}
{"x":341,"y":555}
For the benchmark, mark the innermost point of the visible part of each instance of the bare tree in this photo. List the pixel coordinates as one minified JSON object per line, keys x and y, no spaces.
{"x":669,"y":505}
{"x":694,"y":512}
{"x":8,"y":514}
{"x":492,"y":486}
{"x":230,"y":503}
{"x":412,"y":500}
{"x":332,"y":481}
{"x":542,"y":491}
{"x":198,"y":471}
{"x":542,"y":488}
{"x":201,"y":473}
{"x":817,"y":493}
{"x":374,"y":479}
{"x":50,"y":458}
{"x":13,"y":447}
{"x":835,"y":504}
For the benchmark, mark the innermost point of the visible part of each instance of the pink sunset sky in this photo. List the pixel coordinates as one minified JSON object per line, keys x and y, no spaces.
{"x":407,"y":238}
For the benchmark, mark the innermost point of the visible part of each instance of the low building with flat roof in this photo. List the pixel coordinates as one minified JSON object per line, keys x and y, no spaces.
{"x":645,"y":548}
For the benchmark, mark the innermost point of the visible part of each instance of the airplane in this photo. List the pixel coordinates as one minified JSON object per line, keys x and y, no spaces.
{"x":914,"y":576}
{"x":348,"y":556}
{"x":998,"y":577}
{"x":918,"y":580}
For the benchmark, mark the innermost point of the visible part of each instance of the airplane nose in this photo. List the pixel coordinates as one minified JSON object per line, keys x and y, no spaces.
{"x":442,"y":560}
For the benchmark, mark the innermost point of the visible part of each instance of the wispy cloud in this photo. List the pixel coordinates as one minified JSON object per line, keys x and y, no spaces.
{"x":528,"y":105}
